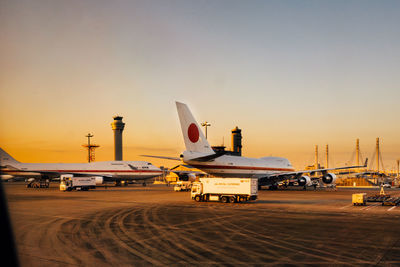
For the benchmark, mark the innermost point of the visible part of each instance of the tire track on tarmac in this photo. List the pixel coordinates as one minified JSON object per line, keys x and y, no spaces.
{"x":242,"y":251}
{"x":267,"y":254}
{"x":286,"y":245}
{"x":92,"y":239}
{"x":134,"y":238}
{"x":187,"y":238}
{"x":171,"y":237}
{"x":111,"y":227}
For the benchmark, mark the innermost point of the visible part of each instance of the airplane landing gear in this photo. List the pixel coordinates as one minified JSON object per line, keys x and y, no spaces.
{"x":273,"y":187}
{"x":42,"y":183}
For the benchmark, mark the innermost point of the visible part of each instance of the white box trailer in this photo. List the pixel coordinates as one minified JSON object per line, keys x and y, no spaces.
{"x":68,"y":182}
{"x":225,"y":189}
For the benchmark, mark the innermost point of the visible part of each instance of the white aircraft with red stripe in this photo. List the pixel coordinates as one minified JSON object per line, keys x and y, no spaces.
{"x":269,"y":170}
{"x":103,"y":171}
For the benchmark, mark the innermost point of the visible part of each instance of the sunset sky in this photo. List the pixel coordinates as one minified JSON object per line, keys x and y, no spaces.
{"x":290,"y":74}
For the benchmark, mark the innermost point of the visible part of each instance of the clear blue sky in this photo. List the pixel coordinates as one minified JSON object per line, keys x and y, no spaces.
{"x":291,"y":74}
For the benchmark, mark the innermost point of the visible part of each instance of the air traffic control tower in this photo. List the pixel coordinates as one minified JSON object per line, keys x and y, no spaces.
{"x":237,"y":141}
{"x":118,"y":127}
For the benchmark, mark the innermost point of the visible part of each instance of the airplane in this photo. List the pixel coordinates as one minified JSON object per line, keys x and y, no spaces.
{"x":105,"y":171}
{"x":268,"y":170}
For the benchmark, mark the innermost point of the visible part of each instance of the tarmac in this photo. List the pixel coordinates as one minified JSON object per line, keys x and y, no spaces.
{"x":153,"y":225}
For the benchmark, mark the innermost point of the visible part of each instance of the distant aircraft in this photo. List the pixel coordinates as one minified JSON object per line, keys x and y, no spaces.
{"x":105,"y":171}
{"x":269,"y":170}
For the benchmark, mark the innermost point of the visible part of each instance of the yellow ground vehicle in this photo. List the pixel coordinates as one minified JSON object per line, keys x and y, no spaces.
{"x":359,"y":199}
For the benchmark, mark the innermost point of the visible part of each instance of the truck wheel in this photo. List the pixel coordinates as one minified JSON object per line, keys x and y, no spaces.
{"x":224,"y":199}
{"x":197,"y":198}
{"x":241,"y":199}
{"x":232,"y":200}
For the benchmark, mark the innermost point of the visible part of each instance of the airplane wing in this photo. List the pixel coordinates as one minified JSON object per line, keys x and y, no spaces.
{"x":209,"y":157}
{"x":161,"y":157}
{"x":322,"y":170}
{"x":273,"y":178}
{"x":202,"y":159}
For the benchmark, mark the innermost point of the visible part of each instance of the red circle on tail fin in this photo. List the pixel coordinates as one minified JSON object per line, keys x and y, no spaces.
{"x":193,"y":133}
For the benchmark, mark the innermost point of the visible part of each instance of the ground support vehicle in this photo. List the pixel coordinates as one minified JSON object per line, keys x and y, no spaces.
{"x":377,"y":198}
{"x":393,"y":201}
{"x":359,"y":199}
{"x":183,"y":186}
{"x":69,"y":183}
{"x":381,"y":197}
{"x":225,"y":189}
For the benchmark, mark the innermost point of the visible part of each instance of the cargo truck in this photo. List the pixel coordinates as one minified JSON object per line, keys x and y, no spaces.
{"x":225,"y":189}
{"x":69,"y":182}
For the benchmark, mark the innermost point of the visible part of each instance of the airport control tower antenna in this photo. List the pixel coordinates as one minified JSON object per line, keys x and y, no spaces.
{"x":377,"y":154}
{"x":316,"y":157}
{"x":118,"y":127}
{"x":327,"y":157}
{"x":205,"y":125}
{"x":358,"y":152}
{"x":398,"y":167}
{"x":90,"y":148}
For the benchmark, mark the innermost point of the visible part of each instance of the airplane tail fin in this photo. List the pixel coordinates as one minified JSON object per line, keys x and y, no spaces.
{"x":194,"y":138}
{"x":5,"y":158}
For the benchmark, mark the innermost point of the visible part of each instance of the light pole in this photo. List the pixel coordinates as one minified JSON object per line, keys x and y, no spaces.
{"x":88,"y":140}
{"x":205,"y":125}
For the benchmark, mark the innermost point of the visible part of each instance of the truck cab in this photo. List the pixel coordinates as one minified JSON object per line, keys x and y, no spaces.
{"x":196,"y":189}
{"x":66,"y":182}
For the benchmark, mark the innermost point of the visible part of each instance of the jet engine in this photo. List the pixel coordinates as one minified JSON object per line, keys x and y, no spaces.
{"x":329,"y":178}
{"x":99,"y":180}
{"x":192,"y":177}
{"x":304,"y":180}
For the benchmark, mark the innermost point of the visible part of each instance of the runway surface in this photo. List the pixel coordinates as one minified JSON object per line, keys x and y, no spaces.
{"x":136,"y":226}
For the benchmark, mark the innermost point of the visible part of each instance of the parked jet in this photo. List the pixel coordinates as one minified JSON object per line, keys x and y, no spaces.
{"x":269,"y":170}
{"x":105,"y":171}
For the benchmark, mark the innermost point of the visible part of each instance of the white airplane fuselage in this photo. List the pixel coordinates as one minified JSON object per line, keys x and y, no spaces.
{"x":236,"y":166}
{"x":126,"y":170}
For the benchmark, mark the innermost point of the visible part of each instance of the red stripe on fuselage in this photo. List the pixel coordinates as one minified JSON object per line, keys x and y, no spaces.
{"x":125,"y":171}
